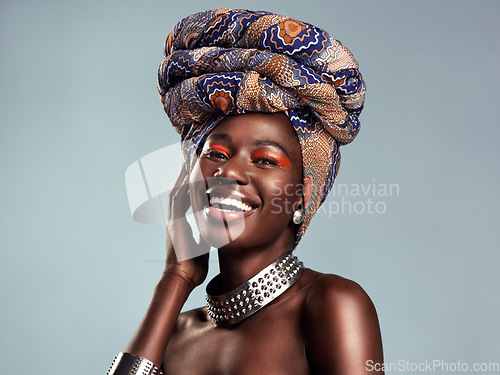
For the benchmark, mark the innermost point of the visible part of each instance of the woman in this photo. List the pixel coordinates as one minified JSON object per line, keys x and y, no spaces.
{"x":262,"y":102}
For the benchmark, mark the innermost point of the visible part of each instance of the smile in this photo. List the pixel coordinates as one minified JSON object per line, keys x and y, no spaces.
{"x":230,"y":204}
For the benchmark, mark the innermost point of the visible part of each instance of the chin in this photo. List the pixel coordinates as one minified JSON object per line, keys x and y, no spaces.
{"x":217,"y":229}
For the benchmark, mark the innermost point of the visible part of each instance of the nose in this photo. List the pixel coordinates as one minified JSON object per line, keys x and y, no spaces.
{"x":235,"y":169}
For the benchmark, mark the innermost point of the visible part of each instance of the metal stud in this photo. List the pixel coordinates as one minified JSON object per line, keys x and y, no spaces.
{"x":254,"y":294}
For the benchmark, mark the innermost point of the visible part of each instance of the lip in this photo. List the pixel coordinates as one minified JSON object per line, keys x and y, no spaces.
{"x":220,"y":191}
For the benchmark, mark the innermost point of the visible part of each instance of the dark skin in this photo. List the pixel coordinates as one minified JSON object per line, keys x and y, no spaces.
{"x":324,"y":324}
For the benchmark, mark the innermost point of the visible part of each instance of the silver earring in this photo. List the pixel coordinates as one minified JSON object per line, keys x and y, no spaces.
{"x":299,"y":216}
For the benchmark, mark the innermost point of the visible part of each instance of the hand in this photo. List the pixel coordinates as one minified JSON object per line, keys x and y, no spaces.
{"x":186,"y":257}
{"x":185,"y":268}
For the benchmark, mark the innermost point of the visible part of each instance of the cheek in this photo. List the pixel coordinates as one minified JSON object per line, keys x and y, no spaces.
{"x":200,"y":172}
{"x":284,"y":194}
{"x":287,"y":186}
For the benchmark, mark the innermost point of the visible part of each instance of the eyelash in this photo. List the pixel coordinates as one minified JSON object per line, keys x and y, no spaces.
{"x":215,"y":152}
{"x":268,"y":159}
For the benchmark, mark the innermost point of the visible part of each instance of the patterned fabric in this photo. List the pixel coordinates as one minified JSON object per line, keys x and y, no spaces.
{"x":225,"y":62}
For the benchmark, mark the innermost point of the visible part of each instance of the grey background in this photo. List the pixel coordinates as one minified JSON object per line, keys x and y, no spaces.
{"x":79,"y":105}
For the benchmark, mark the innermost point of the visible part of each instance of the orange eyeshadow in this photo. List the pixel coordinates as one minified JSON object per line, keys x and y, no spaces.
{"x":278,"y":159}
{"x":218,"y":148}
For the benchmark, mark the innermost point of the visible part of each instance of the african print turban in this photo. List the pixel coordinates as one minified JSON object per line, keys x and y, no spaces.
{"x":225,"y":62}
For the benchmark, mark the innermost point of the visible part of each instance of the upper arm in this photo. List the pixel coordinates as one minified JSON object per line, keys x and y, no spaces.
{"x":341,"y":328}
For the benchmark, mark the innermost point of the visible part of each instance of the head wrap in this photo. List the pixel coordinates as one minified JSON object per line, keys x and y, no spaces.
{"x":225,"y":62}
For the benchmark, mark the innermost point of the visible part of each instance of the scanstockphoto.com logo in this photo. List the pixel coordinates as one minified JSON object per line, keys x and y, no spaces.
{"x":433,"y":366}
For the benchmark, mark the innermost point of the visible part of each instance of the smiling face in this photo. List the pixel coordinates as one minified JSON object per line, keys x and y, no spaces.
{"x":248,"y":181}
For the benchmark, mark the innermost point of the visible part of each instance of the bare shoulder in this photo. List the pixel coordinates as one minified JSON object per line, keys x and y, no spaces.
{"x":341,"y":327}
{"x":188,"y":332}
{"x":332,"y":293}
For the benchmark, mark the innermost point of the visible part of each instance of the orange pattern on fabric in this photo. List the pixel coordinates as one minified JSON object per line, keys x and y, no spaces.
{"x":222,"y":100}
{"x":290,"y":29}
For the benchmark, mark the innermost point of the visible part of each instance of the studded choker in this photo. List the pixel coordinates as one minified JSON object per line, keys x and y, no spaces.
{"x":253,"y":295}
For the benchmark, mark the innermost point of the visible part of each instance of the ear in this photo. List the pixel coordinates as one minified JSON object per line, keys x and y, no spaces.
{"x":308,"y":188}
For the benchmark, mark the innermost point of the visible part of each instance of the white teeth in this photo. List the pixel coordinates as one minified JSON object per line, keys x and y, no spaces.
{"x":230,"y":202}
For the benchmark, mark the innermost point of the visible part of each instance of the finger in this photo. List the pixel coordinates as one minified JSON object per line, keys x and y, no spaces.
{"x":178,"y":197}
{"x":179,"y":201}
{"x":182,"y":174}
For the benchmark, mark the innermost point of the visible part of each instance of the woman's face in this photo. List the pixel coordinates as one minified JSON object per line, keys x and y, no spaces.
{"x":247,"y":181}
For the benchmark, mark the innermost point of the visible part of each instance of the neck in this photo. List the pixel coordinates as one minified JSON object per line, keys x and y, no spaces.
{"x":257,"y":292}
{"x":237,"y":265}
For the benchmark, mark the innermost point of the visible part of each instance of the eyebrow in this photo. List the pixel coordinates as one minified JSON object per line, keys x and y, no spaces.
{"x":220,"y":137}
{"x":258,"y":142}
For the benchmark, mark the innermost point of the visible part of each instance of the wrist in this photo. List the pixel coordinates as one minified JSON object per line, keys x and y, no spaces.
{"x":151,"y":338}
{"x":171,"y":279}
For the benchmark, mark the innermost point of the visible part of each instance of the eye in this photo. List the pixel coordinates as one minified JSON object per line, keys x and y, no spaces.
{"x":265,"y":159}
{"x":216,"y":153}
